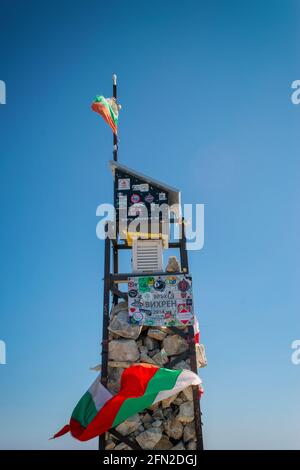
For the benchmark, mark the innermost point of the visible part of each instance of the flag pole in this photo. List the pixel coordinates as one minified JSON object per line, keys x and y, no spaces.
{"x":115,"y":138}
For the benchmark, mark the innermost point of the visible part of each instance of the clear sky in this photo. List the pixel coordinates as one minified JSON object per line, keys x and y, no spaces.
{"x":205,"y":91}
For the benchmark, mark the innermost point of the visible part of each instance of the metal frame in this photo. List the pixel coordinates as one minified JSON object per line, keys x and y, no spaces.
{"x":111,"y":281}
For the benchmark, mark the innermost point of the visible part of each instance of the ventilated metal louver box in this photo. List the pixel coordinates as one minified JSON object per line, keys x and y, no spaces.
{"x":147,"y":256}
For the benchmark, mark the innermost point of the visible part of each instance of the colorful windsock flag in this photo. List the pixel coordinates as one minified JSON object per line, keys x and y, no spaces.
{"x":108,"y":109}
{"x":142,"y":385}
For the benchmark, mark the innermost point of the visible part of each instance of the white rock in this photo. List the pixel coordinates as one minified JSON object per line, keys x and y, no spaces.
{"x":189,"y":432}
{"x":174,"y":345}
{"x":167,"y":402}
{"x":148,"y":439}
{"x":186,"y":412}
{"x":129,"y":425}
{"x":147,"y":359}
{"x":123,"y":350}
{"x":173,"y":428}
{"x":157,"y":423}
{"x":157,"y":334}
{"x":151,"y":343}
{"x":120,"y":325}
{"x":160,"y":358}
{"x":122,"y":446}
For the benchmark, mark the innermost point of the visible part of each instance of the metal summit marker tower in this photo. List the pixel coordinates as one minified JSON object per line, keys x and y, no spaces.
{"x":148,"y":313}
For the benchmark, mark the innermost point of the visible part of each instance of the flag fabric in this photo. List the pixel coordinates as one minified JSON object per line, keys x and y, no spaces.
{"x":142,"y":385}
{"x":196,"y":331}
{"x":108,"y":109}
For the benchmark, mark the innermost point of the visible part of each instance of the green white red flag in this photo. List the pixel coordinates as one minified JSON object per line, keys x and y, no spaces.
{"x":108,"y":109}
{"x":142,"y":386}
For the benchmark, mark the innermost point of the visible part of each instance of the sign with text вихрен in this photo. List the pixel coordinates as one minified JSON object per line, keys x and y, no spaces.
{"x":160,"y":300}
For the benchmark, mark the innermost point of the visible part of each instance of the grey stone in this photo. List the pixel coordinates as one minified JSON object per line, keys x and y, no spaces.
{"x":157,"y":423}
{"x":146,"y":418}
{"x":160,"y":358}
{"x":158,"y":414}
{"x":114,"y":376}
{"x":173,"y":428}
{"x":123,"y":350}
{"x":182,"y":365}
{"x":186,"y":412}
{"x":151,"y":343}
{"x":147,"y":359}
{"x":148,"y":439}
{"x":167,"y":402}
{"x":189,"y":432}
{"x":122,"y":446}
{"x":110,"y":445}
{"x":191,"y":445}
{"x":129,"y":425}
{"x":174,"y":345}
{"x":119,"y":324}
{"x":157,"y":334}
{"x":163,"y":444}
{"x":179,"y":446}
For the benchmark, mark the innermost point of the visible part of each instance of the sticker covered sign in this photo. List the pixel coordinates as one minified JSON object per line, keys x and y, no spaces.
{"x":160,"y":300}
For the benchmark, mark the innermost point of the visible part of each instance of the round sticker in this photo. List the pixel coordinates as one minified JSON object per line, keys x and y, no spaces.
{"x":159,"y":285}
{"x":132,"y":293}
{"x":183,"y":285}
{"x":149,"y":198}
{"x":135,"y":198}
{"x":138,"y":317}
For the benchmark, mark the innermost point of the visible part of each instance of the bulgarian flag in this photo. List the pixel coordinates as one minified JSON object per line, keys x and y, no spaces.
{"x":108,"y":109}
{"x":142,"y":385}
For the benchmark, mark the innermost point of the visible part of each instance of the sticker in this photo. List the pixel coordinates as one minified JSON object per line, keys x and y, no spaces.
{"x":133,"y":293}
{"x":162,"y":196}
{"x":183,"y":308}
{"x":135,"y":198}
{"x":138,"y":317}
{"x":159,"y":285}
{"x":171,"y":280}
{"x":144,"y":187}
{"x":136,"y":209}
{"x":147,"y":297}
{"x":183,"y":285}
{"x":143,"y":285}
{"x":124,"y":183}
{"x":149,"y":198}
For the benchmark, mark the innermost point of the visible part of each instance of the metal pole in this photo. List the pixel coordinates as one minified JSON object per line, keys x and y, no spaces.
{"x":105,"y":323}
{"x":115,"y":138}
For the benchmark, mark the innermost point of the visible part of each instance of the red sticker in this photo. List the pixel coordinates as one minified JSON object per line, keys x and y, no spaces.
{"x":135,"y":198}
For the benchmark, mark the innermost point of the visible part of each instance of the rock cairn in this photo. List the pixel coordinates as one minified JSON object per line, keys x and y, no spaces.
{"x":166,"y":425}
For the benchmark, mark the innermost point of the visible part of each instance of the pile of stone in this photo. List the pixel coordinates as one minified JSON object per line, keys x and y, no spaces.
{"x":166,"y":425}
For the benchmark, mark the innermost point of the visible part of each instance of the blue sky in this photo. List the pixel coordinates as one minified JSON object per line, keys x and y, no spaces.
{"x":205,"y":90}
